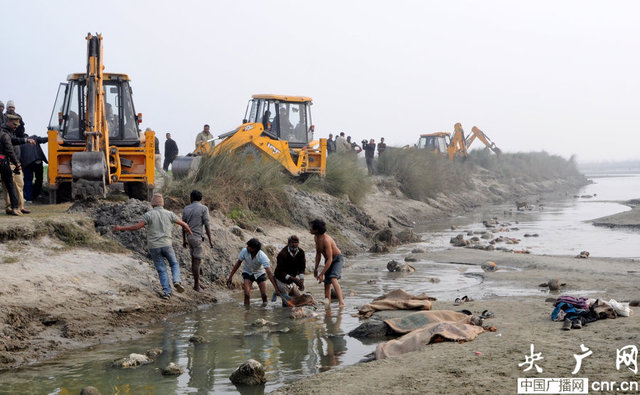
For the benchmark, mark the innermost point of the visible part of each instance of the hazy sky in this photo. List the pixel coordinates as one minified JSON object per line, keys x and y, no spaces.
{"x":559,"y":76}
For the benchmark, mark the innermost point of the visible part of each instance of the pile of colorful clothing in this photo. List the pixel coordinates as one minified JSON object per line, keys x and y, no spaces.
{"x":576,"y":312}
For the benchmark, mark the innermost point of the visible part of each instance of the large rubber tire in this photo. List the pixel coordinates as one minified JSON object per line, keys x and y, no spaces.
{"x":136,"y":190}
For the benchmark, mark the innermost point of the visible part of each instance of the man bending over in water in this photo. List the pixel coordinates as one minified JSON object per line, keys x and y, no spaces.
{"x":333,"y":260}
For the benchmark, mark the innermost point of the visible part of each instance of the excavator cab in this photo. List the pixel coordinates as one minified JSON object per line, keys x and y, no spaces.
{"x":285,"y":118}
{"x":436,"y":142}
{"x":69,"y":119}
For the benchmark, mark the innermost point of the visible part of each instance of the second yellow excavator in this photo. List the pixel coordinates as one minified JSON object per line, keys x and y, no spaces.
{"x":456,"y":146}
{"x":275,"y":127}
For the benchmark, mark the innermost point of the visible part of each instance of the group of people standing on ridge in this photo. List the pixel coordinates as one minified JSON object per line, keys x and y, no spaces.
{"x":291,"y":261}
{"x":21,"y":159}
{"x":345,"y":145}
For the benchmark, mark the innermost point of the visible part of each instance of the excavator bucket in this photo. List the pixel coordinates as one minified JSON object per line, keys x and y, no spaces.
{"x":183,"y":166}
{"x":88,"y":165}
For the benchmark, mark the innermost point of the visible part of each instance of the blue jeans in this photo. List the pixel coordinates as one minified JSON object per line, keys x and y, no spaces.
{"x":158,"y":255}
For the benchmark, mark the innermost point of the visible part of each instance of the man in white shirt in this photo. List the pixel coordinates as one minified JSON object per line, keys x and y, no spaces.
{"x":256,"y":268}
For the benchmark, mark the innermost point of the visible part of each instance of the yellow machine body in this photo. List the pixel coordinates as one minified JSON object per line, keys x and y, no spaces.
{"x":94,"y":139}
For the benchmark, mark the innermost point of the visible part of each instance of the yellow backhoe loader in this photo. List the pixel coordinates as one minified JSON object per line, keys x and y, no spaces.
{"x":456,"y":146}
{"x":275,"y":127}
{"x":94,"y":139}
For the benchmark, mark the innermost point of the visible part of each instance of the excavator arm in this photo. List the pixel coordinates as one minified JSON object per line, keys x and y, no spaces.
{"x":457,"y":146}
{"x":92,"y":165}
{"x":479,"y":134}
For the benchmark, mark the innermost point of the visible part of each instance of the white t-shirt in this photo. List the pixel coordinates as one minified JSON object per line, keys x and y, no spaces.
{"x":254,"y":266}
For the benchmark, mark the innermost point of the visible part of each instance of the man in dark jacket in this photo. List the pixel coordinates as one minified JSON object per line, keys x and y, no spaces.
{"x":291,"y":264}
{"x":170,"y":152}
{"x":369,"y":152}
{"x":18,"y":138}
{"x":331,"y":145}
{"x":381,"y":147}
{"x":31,"y":158}
{"x":8,"y":158}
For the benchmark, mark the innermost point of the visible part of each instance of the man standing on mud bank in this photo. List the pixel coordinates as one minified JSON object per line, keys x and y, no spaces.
{"x":8,"y":158}
{"x":333,"y":260}
{"x":256,"y":268}
{"x":291,"y":264}
{"x":196,"y":215}
{"x":204,"y":137}
{"x":369,"y":152}
{"x":14,"y":127}
{"x":170,"y":152}
{"x":160,"y":222}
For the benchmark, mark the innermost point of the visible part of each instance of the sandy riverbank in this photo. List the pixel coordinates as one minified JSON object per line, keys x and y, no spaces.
{"x":489,"y":364}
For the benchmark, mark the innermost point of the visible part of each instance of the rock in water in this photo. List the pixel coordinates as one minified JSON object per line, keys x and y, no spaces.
{"x":489,"y":266}
{"x":196,"y":339}
{"x":371,"y":329}
{"x":554,"y":284}
{"x":90,"y":390}
{"x":250,"y":372}
{"x":153,"y":353}
{"x":301,"y":312}
{"x":132,"y":361}
{"x":172,"y":370}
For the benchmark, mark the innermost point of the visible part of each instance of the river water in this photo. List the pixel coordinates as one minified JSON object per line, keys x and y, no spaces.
{"x":299,"y":348}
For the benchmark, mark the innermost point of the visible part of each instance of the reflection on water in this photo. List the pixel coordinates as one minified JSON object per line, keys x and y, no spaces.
{"x":297,"y":348}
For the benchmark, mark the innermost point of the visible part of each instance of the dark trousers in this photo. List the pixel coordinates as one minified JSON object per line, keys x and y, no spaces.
{"x":32,"y":190}
{"x":370,"y":167}
{"x":7,"y":182}
{"x":167,"y":162}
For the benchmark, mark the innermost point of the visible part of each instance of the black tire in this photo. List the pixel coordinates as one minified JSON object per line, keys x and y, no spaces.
{"x":136,"y":190}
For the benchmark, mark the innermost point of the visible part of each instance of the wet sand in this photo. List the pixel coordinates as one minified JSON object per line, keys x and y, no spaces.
{"x":627,"y":219}
{"x":489,"y":364}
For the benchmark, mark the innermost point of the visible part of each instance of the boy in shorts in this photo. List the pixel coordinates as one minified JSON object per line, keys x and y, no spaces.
{"x":256,"y":268}
{"x":333,"y":260}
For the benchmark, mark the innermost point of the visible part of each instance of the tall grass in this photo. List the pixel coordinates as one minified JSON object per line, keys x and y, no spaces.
{"x":344,"y":176}
{"x":239,"y":185}
{"x":422,"y":174}
{"x":528,"y":166}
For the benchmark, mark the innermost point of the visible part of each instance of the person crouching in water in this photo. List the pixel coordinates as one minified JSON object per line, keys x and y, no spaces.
{"x":291,"y":264}
{"x":333,"y":260}
{"x":256,"y":268}
{"x":159,"y":224}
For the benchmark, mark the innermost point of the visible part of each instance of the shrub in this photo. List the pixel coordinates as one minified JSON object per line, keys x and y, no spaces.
{"x":421,"y":173}
{"x":527,"y":166}
{"x":238,"y":183}
{"x":344,"y":176}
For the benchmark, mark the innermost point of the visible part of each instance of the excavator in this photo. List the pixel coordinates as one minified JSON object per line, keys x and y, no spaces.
{"x":94,"y":138}
{"x":275,"y":127}
{"x":456,"y":146}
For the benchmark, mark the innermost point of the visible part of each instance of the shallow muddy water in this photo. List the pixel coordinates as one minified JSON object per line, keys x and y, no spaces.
{"x":562,"y":224}
{"x":299,"y":348}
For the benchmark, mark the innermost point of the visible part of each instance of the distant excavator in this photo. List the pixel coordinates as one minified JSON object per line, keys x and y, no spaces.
{"x":456,"y":146}
{"x":275,"y":127}
{"x":94,"y":139}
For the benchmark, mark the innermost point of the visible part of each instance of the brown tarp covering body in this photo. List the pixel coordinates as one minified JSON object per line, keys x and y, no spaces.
{"x":396,"y":300}
{"x":423,"y":327}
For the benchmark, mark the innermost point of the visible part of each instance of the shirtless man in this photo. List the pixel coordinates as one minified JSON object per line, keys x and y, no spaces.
{"x":333,"y":260}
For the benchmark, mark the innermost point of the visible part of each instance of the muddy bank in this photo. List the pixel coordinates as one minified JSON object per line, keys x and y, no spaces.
{"x":69,"y":282}
{"x":628,"y":219}
{"x":489,"y":364}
